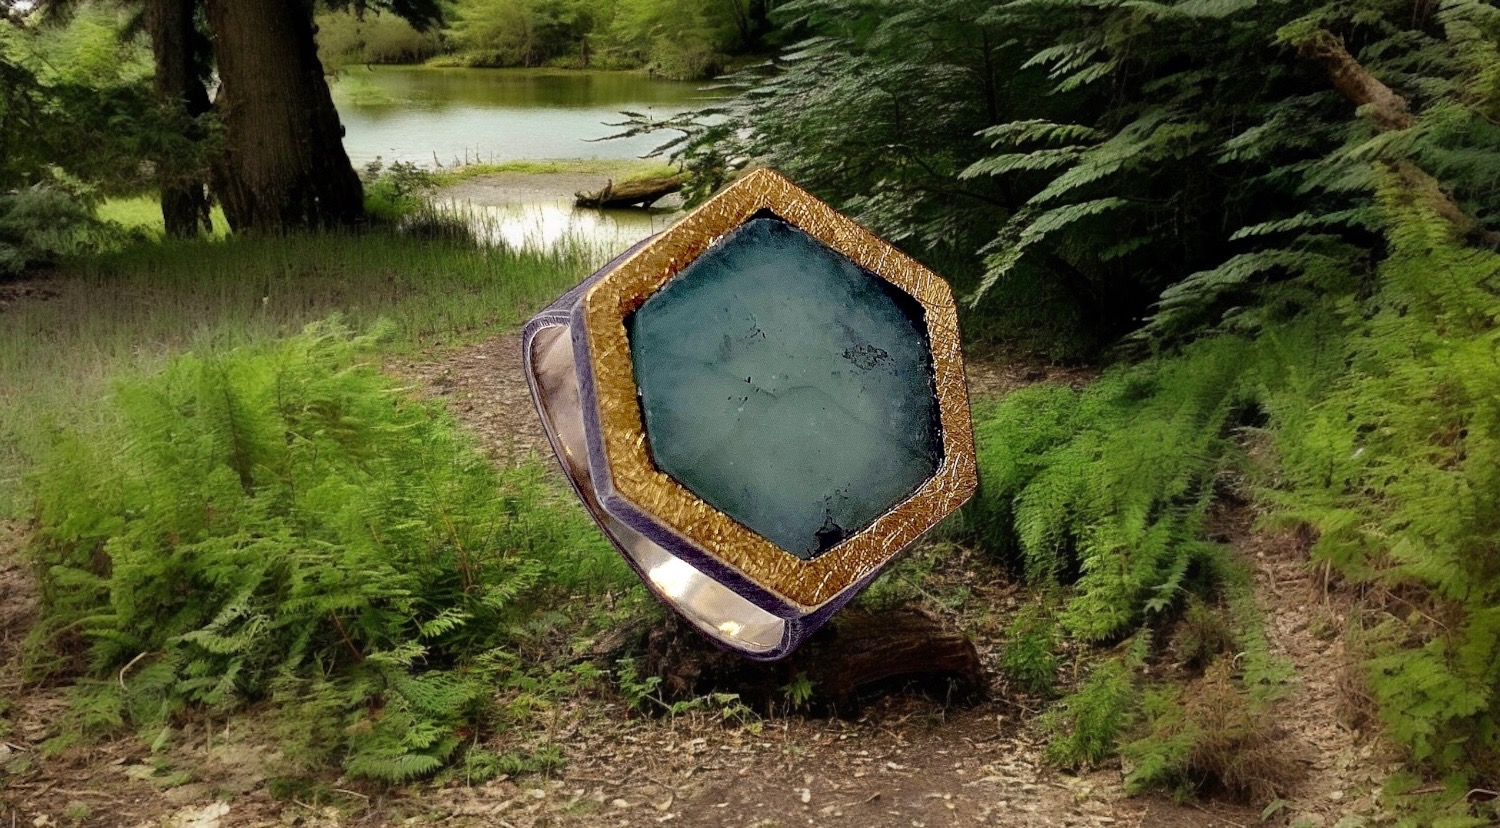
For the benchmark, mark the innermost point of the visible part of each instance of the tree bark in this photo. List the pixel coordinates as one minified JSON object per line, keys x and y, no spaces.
{"x":179,"y":81}
{"x":284,"y":166}
{"x":640,"y":193}
{"x":1388,"y":111}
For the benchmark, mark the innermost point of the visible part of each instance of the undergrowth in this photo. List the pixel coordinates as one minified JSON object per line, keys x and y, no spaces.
{"x":279,"y":522}
{"x":1397,"y":466}
{"x":134,"y":308}
{"x":1377,"y":426}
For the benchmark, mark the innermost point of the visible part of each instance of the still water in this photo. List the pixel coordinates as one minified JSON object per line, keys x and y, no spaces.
{"x":409,"y":113}
{"x":449,"y":117}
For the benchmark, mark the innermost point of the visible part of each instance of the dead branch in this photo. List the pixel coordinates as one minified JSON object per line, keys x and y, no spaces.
{"x":1389,"y":112}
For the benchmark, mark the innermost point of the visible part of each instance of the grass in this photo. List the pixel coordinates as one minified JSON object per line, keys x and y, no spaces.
{"x":132,"y":309}
{"x":621,"y":170}
{"x":143,"y":213}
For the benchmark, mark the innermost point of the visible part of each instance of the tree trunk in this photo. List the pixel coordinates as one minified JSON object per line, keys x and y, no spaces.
{"x":179,"y":75}
{"x":640,"y":193}
{"x":284,"y":166}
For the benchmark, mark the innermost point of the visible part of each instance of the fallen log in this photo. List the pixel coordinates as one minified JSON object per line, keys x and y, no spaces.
{"x":1388,"y":111}
{"x":858,"y":655}
{"x":640,"y":192}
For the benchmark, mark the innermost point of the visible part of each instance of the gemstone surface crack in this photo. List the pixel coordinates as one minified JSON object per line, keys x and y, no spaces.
{"x":787,"y":387}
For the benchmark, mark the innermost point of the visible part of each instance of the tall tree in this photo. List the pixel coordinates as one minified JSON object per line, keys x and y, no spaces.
{"x":181,"y":68}
{"x":284,"y":165}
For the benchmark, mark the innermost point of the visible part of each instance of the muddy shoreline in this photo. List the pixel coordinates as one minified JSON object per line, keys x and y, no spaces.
{"x":506,"y":188}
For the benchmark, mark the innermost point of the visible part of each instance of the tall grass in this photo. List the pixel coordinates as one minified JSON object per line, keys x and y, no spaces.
{"x":131,"y":309}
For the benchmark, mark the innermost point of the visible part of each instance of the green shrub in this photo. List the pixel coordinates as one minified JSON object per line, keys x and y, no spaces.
{"x":42,"y":223}
{"x":1085,"y":728}
{"x":1109,"y":487}
{"x":348,"y":38}
{"x":397,"y":191}
{"x":281,"y":522}
{"x":1378,"y":425}
{"x":1396,"y":463}
{"x":400,"y":197}
{"x":1209,"y":733}
{"x":517,"y":32}
{"x":1029,"y":656}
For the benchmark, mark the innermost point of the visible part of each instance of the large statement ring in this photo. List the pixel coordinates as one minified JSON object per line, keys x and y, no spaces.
{"x":761,"y":406}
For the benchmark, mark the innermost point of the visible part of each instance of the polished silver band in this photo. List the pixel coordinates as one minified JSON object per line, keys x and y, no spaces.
{"x":725,"y":616}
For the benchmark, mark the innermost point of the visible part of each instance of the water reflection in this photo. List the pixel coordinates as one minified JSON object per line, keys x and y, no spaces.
{"x":439,"y":116}
{"x":547,"y":225}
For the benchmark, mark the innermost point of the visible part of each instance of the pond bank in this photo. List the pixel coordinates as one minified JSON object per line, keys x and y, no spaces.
{"x":530,"y":204}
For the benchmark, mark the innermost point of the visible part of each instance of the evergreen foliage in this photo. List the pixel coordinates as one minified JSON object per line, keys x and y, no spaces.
{"x":280,"y":522}
{"x":75,"y":98}
{"x":46,"y":221}
{"x":1379,"y":407}
{"x":1396,"y":466}
{"x":1079,"y":168}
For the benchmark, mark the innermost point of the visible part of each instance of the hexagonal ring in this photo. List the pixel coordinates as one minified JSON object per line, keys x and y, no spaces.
{"x":840,"y":340}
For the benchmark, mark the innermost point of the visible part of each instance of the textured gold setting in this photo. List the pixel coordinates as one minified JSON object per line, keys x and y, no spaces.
{"x":807,"y":583}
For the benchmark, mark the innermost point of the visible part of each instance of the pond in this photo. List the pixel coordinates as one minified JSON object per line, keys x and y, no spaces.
{"x":417,"y":113}
{"x":453,"y":117}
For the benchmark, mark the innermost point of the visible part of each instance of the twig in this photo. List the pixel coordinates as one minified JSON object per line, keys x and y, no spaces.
{"x":132,"y":663}
{"x":1427,"y":790}
{"x":337,"y":622}
{"x":1468,"y":797}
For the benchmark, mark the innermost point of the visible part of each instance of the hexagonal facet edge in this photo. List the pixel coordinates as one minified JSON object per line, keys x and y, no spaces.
{"x":787,"y":387}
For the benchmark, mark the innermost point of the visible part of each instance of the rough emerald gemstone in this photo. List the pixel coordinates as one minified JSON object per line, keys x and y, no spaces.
{"x":787,"y":386}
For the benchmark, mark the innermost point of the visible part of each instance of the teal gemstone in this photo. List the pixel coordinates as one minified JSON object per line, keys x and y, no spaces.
{"x":787,"y":387}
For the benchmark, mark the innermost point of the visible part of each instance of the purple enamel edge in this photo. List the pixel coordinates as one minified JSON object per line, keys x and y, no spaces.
{"x":567,"y":311}
{"x":626,"y":512}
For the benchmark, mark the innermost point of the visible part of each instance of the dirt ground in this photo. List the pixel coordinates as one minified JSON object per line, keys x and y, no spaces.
{"x":906,"y":761}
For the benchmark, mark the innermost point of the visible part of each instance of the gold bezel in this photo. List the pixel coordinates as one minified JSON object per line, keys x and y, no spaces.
{"x":608,"y":303}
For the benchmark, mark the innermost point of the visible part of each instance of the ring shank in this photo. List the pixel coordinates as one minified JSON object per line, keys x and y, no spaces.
{"x":717,"y":611}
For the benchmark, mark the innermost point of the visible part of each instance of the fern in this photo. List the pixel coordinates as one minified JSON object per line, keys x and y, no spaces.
{"x":1029,"y":657}
{"x":1103,"y":163}
{"x":1394,"y":465}
{"x":1086,"y":727}
{"x":1109,"y":488}
{"x":285,"y":524}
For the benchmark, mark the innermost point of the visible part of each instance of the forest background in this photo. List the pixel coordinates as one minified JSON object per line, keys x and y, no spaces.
{"x":1270,"y":225}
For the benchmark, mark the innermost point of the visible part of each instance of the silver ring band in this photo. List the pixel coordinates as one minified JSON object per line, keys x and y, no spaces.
{"x":741,"y":589}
